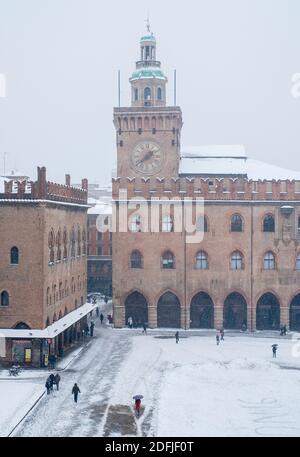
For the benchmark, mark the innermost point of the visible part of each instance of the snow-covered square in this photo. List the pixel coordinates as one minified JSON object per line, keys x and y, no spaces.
{"x":193,"y":388}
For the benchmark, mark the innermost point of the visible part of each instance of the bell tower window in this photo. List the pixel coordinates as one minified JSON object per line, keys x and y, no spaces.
{"x":136,"y":95}
{"x":159,"y":94}
{"x":147,"y":96}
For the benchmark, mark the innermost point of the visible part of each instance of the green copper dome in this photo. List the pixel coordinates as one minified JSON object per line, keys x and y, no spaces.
{"x":148,"y":38}
{"x":147,"y":74}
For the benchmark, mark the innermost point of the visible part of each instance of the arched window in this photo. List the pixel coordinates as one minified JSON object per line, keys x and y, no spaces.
{"x":136,"y":260}
{"x":136,"y":95}
{"x":47,"y":322}
{"x":48,"y":296}
{"x":201,"y":261}
{"x":135,"y":223}
{"x":4,"y":298}
{"x":269,"y":261}
{"x":147,"y":94}
{"x":167,"y":223}
{"x":269,"y":223}
{"x":51,"y":246}
{"x":14,"y":256}
{"x":236,"y":261}
{"x":58,"y":246}
{"x":78,"y":242}
{"x":202,"y":224}
{"x":84,"y":242}
{"x":65,"y":244}
{"x":159,"y":94}
{"x":168,"y":260}
{"x":73,"y":242}
{"x":236,"y":223}
{"x":298,"y":262}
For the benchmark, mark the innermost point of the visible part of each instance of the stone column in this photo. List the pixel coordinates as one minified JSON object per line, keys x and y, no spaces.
{"x":218,"y":315}
{"x":152,"y":315}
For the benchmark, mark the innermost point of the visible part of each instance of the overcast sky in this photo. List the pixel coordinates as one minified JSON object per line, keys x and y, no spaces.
{"x":234,"y":60}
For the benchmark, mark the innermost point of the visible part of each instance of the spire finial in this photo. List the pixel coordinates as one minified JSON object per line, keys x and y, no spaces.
{"x":148,"y":22}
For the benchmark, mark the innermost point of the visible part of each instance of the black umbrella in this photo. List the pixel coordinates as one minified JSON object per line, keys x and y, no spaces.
{"x":138,"y":397}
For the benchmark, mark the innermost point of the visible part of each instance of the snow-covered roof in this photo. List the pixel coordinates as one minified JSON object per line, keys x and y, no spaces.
{"x":101,"y":207}
{"x":230,"y":161}
{"x":53,"y":330}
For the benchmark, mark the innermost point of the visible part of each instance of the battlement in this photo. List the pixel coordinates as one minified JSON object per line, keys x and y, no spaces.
{"x":45,"y":190}
{"x":208,"y":188}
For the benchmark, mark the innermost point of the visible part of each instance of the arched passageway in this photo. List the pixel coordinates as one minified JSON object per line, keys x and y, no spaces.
{"x":136,"y":307}
{"x":235,"y":312}
{"x":202,"y":311}
{"x":168,"y":311}
{"x":268,"y":312}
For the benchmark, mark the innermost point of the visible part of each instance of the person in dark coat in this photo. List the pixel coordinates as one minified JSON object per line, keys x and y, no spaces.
{"x":75,"y":392}
{"x":48,"y":386}
{"x":218,"y":339}
{"x":101,"y":318}
{"x":51,"y":379}
{"x":97,"y":311}
{"x":222,"y":333}
{"x":57,"y":381}
{"x":138,"y":406}
{"x":284,"y":330}
{"x":92,"y":329}
{"x":274,"y":349}
{"x":177,"y":337}
{"x":145,"y":328}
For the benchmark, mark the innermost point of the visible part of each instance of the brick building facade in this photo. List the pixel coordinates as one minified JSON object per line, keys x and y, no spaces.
{"x":43,"y":268}
{"x":245,"y":273}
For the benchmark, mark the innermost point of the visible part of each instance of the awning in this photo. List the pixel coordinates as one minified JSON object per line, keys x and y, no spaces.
{"x":53,"y":330}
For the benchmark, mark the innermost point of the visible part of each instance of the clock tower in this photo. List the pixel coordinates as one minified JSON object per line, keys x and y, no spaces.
{"x":148,"y":132}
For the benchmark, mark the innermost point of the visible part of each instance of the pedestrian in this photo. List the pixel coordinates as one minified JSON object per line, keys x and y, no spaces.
{"x":106,"y":300}
{"x":75,"y":392}
{"x":48,"y":386}
{"x":138,"y":402}
{"x":51,"y":379}
{"x":83,"y":334}
{"x":274,"y":350}
{"x":218,"y":339}
{"x":97,"y":311}
{"x":281,"y":330}
{"x":101,"y":318}
{"x":130,"y":322}
{"x":92,"y":328}
{"x":284,"y":330}
{"x":222,"y":333}
{"x":57,"y":381}
{"x":177,"y":337}
{"x":145,"y":328}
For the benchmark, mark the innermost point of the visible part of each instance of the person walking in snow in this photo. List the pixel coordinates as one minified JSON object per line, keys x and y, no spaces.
{"x":274,"y":350}
{"x":92,"y":328}
{"x":222,"y":333}
{"x":177,"y":337}
{"x":218,"y":339}
{"x":57,"y":381}
{"x":51,"y":380}
{"x":97,"y":311}
{"x":48,"y":386}
{"x":75,"y":392}
{"x":145,"y":328}
{"x":138,"y":406}
{"x":130,"y":322}
{"x":101,"y":318}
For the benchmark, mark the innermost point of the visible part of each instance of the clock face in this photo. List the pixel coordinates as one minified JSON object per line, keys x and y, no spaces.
{"x":147,"y":158}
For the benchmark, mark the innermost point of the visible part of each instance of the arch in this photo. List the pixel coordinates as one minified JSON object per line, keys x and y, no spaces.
{"x":201,"y":261}
{"x":268,"y":312}
{"x":202,"y":311}
{"x":65,"y":243}
{"x":235,"y":311}
{"x":125,"y":123}
{"x":295,"y":313}
{"x":4,"y":300}
{"x":136,"y":307}
{"x":160,"y":122}
{"x":168,"y":260}
{"x":146,"y":123}
{"x":236,"y":261}
{"x":236,"y":223}
{"x":58,"y":246}
{"x":136,"y":259}
{"x":159,"y":93}
{"x":14,"y":256}
{"x":22,"y":326}
{"x":147,"y":94}
{"x":153,"y":122}
{"x":269,"y":261}
{"x":78,"y":241}
{"x":168,"y":311}
{"x":73,"y":242}
{"x":51,"y":246}
{"x":132,"y":123}
{"x":269,"y":223}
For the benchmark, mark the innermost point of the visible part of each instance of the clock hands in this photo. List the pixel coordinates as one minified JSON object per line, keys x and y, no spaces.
{"x":146,"y":157}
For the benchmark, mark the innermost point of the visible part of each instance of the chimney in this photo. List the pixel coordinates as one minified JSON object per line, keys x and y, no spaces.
{"x":68,"y":180}
{"x":42,"y":182}
{"x":84,"y":184}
